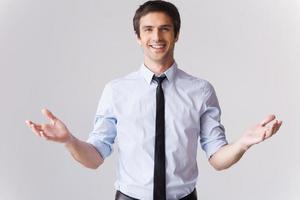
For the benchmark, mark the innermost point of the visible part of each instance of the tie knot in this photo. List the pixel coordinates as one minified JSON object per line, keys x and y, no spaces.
{"x":159,"y":80}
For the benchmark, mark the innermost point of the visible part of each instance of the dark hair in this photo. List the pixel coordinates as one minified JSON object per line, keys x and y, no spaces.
{"x":157,"y":6}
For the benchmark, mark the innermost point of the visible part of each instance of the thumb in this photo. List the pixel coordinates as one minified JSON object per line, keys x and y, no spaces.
{"x":49,"y":115}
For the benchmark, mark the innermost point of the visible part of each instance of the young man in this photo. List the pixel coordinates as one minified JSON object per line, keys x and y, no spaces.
{"x":157,"y":114}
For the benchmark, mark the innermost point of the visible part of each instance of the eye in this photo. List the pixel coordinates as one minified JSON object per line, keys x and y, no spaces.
{"x":165,"y":29}
{"x":147,"y":30}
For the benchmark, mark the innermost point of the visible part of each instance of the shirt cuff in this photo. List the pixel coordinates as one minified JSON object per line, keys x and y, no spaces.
{"x":213,"y":146}
{"x":102,"y":148}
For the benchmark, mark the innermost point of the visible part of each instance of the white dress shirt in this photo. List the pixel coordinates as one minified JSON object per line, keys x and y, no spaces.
{"x":126,"y":114}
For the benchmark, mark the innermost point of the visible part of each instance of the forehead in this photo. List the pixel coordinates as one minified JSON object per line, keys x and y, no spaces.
{"x":155,"y":19}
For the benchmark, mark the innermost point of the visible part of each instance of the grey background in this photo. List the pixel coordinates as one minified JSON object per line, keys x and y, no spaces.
{"x":59,"y":54}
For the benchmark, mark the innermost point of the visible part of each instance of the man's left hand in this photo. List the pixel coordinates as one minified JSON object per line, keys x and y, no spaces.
{"x":264,"y":130}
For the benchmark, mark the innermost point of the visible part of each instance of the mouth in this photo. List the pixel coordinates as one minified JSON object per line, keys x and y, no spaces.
{"x":158,"y":47}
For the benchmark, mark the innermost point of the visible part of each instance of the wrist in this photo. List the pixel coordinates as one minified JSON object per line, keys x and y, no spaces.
{"x":70,"y":141}
{"x":243,"y":145}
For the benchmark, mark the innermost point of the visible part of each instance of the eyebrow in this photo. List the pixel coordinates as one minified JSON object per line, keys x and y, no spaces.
{"x":162,"y":26}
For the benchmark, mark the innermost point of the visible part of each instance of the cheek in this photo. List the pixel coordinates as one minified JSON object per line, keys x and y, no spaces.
{"x":171,"y":42}
{"x":140,"y":40}
{"x":143,"y":42}
{"x":170,"y":38}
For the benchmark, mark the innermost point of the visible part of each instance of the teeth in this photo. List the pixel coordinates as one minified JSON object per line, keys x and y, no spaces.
{"x":157,"y":46}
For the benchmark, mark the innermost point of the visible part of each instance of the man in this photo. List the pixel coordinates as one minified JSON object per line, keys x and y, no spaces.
{"x":157,"y":114}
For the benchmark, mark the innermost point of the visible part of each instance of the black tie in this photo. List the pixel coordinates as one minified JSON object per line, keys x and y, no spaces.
{"x":159,"y":189}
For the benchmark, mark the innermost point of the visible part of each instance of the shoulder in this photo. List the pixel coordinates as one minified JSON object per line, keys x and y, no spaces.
{"x":122,"y":81}
{"x":121,"y":87}
{"x":193,"y":81}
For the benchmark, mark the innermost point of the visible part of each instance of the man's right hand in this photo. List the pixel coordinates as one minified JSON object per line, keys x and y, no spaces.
{"x":56,"y":130}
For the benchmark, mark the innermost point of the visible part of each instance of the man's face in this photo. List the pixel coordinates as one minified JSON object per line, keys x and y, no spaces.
{"x":157,"y":38}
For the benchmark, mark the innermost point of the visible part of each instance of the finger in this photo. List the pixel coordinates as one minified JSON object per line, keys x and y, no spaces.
{"x":44,"y":135}
{"x":36,"y":129}
{"x":49,"y":115}
{"x":278,"y":125}
{"x":272,"y":128}
{"x":266,"y":120}
{"x":47,"y":130}
{"x":29,"y":123}
{"x":264,"y":136}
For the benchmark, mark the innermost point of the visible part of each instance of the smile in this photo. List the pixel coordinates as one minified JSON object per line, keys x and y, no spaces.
{"x":158,"y":46}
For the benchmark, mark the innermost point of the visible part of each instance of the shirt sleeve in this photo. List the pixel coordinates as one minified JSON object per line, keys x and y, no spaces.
{"x":212,"y":132}
{"x":104,"y":131}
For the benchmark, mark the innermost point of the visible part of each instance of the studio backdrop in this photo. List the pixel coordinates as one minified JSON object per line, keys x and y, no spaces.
{"x":59,"y":54}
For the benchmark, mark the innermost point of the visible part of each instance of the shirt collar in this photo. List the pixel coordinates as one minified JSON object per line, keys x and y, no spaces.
{"x":148,"y":74}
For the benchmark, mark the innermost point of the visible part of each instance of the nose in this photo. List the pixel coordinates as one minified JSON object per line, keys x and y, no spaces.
{"x":156,"y":35}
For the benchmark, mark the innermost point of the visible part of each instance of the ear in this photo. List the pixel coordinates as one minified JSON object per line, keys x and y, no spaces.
{"x":177,"y":37}
{"x":138,"y":39}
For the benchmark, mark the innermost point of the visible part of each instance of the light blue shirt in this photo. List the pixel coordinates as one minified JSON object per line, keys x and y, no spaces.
{"x":126,"y":114}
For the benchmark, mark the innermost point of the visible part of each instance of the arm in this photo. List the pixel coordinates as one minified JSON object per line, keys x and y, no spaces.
{"x":56,"y":131}
{"x":229,"y":154}
{"x":84,"y":153}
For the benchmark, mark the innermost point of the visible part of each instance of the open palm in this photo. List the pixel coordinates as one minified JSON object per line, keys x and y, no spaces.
{"x":268,"y":127}
{"x":56,"y":130}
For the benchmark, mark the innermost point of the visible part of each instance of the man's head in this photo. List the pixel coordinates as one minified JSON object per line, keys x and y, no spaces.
{"x":157,"y":6}
{"x":157,"y":25}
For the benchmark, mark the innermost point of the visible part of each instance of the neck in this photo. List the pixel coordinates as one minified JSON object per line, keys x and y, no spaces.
{"x":158,"y":67}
